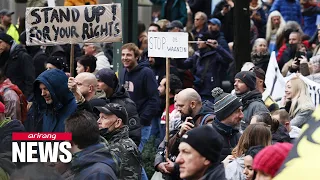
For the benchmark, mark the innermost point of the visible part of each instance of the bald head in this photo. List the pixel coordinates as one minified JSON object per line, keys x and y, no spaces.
{"x":188,"y":102}
{"x":87,"y":83}
{"x":190,"y":94}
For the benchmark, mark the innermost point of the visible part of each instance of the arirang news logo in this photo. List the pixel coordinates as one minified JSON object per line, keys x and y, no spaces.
{"x":41,"y":147}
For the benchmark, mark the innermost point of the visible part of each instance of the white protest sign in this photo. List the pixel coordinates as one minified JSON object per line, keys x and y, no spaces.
{"x":168,"y":44}
{"x":73,"y":24}
{"x":274,"y":80}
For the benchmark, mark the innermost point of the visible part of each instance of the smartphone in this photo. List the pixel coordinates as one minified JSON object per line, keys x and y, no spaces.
{"x":299,"y":54}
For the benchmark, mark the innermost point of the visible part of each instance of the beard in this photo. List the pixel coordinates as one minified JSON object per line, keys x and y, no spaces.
{"x":188,"y":114}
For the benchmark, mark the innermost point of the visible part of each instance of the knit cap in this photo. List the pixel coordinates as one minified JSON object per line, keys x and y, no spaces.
{"x":270,"y":159}
{"x":206,"y":140}
{"x":224,"y":103}
{"x":248,"y":77}
{"x":6,"y":38}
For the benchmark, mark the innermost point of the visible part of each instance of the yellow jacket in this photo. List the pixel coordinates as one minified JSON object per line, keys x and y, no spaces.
{"x":13,"y":32}
{"x":79,"y":2}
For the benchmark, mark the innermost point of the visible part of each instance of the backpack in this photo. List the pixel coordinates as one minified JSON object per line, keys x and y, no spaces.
{"x":22,"y":98}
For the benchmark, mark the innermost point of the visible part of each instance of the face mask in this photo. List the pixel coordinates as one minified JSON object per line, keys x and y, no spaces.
{"x":106,"y":130}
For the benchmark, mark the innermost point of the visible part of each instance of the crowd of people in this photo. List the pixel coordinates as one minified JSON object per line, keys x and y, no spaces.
{"x":223,"y":124}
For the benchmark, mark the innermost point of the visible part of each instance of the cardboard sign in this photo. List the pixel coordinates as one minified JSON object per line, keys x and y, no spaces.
{"x":73,"y":24}
{"x":168,"y":44}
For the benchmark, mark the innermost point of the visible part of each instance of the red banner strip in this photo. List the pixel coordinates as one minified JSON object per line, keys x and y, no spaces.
{"x":34,"y":136}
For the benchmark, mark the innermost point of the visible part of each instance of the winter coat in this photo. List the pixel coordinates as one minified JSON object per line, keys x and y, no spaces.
{"x":142,"y":87}
{"x":281,"y":135}
{"x":252,"y":105}
{"x":121,"y":97}
{"x":102,"y":61}
{"x":7,"y":127}
{"x":200,"y":5}
{"x":218,"y":61}
{"x":230,"y":135}
{"x":6,"y":165}
{"x":197,"y":120}
{"x":215,"y":172}
{"x":260,"y":60}
{"x":19,"y":61}
{"x":301,"y":118}
{"x":234,"y":170}
{"x":127,"y":151}
{"x":219,"y":36}
{"x":96,"y":162}
{"x":226,"y":20}
{"x":290,"y":11}
{"x":178,"y":10}
{"x":63,"y":105}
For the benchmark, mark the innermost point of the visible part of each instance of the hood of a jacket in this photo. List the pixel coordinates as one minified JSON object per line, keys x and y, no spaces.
{"x":119,"y":92}
{"x":97,"y":153}
{"x":281,"y":135}
{"x":56,"y":82}
{"x":250,"y":97}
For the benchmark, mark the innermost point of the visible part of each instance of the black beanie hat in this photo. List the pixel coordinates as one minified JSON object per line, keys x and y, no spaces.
{"x":6,"y":38}
{"x":224,"y":103}
{"x":206,"y":140}
{"x":248,"y":77}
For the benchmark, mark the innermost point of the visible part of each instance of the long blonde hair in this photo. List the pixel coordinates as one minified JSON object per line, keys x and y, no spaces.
{"x":301,"y":100}
{"x":269,"y":25}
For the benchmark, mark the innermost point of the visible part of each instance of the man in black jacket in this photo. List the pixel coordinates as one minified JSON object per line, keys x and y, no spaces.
{"x":17,"y":64}
{"x":200,"y":150}
{"x":109,"y":83}
{"x":228,"y":111}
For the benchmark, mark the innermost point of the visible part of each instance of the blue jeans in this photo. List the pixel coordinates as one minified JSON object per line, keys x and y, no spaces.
{"x":145,"y":134}
{"x":144,"y":175}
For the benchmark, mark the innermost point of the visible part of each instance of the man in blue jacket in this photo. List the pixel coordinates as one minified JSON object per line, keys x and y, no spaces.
{"x":53,"y":99}
{"x":209,"y":64}
{"x":92,"y":158}
{"x":141,"y":84}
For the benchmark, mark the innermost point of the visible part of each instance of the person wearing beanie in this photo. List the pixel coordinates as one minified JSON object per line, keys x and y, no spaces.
{"x":260,"y":86}
{"x":55,"y":62}
{"x":210,"y":63}
{"x":199,"y":156}
{"x":269,"y":160}
{"x":228,"y":111}
{"x":109,"y":83}
{"x":13,"y":59}
{"x":251,"y":98}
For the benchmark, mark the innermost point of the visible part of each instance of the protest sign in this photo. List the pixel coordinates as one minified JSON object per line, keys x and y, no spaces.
{"x":168,"y":44}
{"x":73,"y":24}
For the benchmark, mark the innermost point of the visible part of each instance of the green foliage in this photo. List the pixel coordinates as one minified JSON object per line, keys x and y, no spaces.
{"x":148,"y":155}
